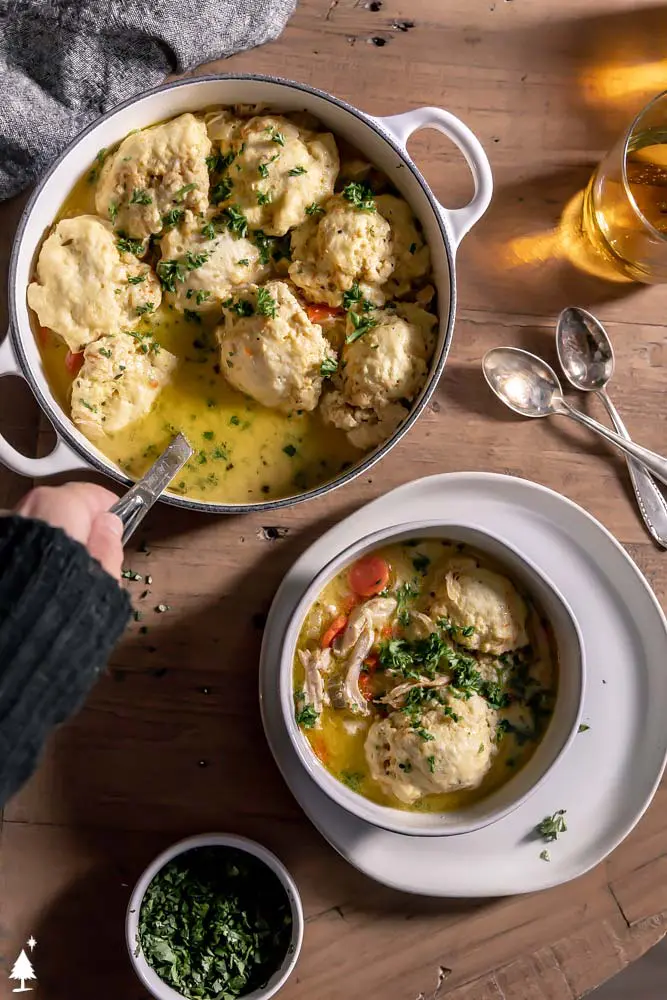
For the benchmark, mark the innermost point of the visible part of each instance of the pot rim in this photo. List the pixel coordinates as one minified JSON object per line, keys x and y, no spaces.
{"x":60,"y":421}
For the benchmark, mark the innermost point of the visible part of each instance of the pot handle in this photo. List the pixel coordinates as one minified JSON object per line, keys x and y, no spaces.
{"x":61,"y":459}
{"x":401,"y":127}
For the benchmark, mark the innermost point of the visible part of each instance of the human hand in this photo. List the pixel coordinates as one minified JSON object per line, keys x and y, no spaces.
{"x":82,"y":511}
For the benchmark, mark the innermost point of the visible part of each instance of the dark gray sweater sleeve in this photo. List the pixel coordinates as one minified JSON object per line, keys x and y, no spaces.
{"x":60,"y":616}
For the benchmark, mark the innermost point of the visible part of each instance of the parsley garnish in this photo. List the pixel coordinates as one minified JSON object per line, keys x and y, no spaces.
{"x":202,"y":296}
{"x":140,"y":197}
{"x":290,"y":450}
{"x":136,"y":279}
{"x":242,"y":308}
{"x":545,"y":856}
{"x":277,"y":137}
{"x":263,"y":197}
{"x":221,"y":191}
{"x":209,"y":231}
{"x":352,"y":779}
{"x":328,"y":367}
{"x":360,"y":195}
{"x":127,"y":245}
{"x":181,"y":193}
{"x":266,"y":304}
{"x":173,"y":217}
{"x":552,"y":826}
{"x":145,"y":308}
{"x":218,"y":162}
{"x":243,"y":262}
{"x":421,"y":563}
{"x":235,"y":220}
{"x":94,"y":171}
{"x":196,"y":260}
{"x":105,"y":352}
{"x":423,"y":734}
{"x":307,"y":717}
{"x":352,"y":295}
{"x":296,"y":171}
{"x":413,"y":248}
{"x":313,"y":208}
{"x":583,"y":728}
{"x":360,"y":326}
{"x":113,"y":211}
{"x":169,"y":272}
{"x":192,"y":315}
{"x":431,"y":763}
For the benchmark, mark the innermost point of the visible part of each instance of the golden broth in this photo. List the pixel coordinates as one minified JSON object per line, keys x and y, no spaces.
{"x":342,"y":752}
{"x":239,"y":444}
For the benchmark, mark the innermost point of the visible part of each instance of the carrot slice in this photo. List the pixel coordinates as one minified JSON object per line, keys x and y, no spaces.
{"x":336,"y":627}
{"x":365,"y":686}
{"x":319,"y":312}
{"x":73,"y":362}
{"x":369,"y":576}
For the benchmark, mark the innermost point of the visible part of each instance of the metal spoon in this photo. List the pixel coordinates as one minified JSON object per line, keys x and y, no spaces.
{"x":587,"y":358}
{"x":531,"y":388}
{"x":135,"y":504}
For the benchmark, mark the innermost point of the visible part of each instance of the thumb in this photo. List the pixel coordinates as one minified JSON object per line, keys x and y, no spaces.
{"x":105,"y":544}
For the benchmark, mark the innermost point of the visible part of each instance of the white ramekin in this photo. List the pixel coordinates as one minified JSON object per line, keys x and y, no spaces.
{"x":560,"y":732}
{"x":150,"y":979}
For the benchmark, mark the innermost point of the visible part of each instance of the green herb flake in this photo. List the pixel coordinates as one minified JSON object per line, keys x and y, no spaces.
{"x":266,"y":304}
{"x":235,"y":220}
{"x":182,"y":192}
{"x":278,"y":137}
{"x":328,"y":367}
{"x":94,"y":172}
{"x":221,"y":191}
{"x":360,"y":326}
{"x":208,"y":435}
{"x":136,"y":279}
{"x":243,"y":262}
{"x":552,"y":826}
{"x":192,"y":315}
{"x":421,"y":563}
{"x":544,"y":855}
{"x":307,"y":717}
{"x":147,"y":307}
{"x":113,"y":211}
{"x":263,"y":197}
{"x":413,"y":248}
{"x":202,"y":296}
{"x":105,"y":352}
{"x":360,"y":195}
{"x":234,"y":420}
{"x":127,"y":245}
{"x":314,"y":208}
{"x":290,"y":450}
{"x":583,"y":728}
{"x":353,"y":779}
{"x":214,"y":922}
{"x":431,"y":763}
{"x":209,"y":231}
{"x":296,"y":171}
{"x":173,"y":218}
{"x":140,"y":197}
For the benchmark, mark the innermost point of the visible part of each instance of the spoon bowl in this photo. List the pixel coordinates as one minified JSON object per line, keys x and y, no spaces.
{"x":584,"y":350}
{"x":523,"y":382}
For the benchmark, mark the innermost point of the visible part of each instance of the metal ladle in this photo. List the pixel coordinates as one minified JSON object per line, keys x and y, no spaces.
{"x":587,"y":358}
{"x":531,"y":388}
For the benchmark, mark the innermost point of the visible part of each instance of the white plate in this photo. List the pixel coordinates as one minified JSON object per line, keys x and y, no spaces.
{"x":607,"y":778}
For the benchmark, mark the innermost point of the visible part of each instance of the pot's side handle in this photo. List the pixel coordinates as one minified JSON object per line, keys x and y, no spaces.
{"x":61,"y":459}
{"x":401,"y":128}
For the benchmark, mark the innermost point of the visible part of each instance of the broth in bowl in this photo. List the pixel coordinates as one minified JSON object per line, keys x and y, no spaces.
{"x":424,"y":677}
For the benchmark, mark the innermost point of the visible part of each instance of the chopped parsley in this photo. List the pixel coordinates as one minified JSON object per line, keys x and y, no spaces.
{"x":263,"y":168}
{"x":290,"y":450}
{"x":202,"y":296}
{"x":147,"y":307}
{"x":313,"y":208}
{"x":221,"y":191}
{"x":544,"y":855}
{"x":431,"y":763}
{"x":105,"y":352}
{"x":423,"y":734}
{"x":136,"y":279}
{"x":413,"y":248}
{"x":218,"y":162}
{"x":551,"y":826}
{"x":243,"y":262}
{"x":113,"y":211}
{"x":352,"y":295}
{"x":192,"y":315}
{"x":421,"y":563}
{"x":209,"y":231}
{"x":263,"y":197}
{"x":242,"y":308}
{"x":169,"y":272}
{"x":219,"y":452}
{"x":353,"y":779}
{"x":127,"y":245}
{"x":328,"y":367}
{"x":235,"y":220}
{"x":214,"y":922}
{"x":296,"y":171}
{"x":360,"y":195}
{"x":360,"y":326}
{"x":266,"y":304}
{"x":307,"y":717}
{"x":196,"y":260}
{"x":173,"y":218}
{"x":208,"y":435}
{"x":404,"y":594}
{"x":277,"y":137}
{"x":583,"y":728}
{"x":182,"y":192}
{"x":140,"y":197}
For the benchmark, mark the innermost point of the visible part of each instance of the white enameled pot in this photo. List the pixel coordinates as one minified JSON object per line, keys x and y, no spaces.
{"x":382,"y":140}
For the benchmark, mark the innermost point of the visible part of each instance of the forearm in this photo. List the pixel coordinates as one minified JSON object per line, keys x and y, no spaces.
{"x":60,"y":616}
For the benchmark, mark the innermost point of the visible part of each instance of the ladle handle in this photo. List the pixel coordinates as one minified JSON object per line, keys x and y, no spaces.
{"x":650,"y":500}
{"x":654,"y":463}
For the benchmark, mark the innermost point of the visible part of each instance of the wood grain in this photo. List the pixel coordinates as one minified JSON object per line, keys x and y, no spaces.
{"x":170,"y":742}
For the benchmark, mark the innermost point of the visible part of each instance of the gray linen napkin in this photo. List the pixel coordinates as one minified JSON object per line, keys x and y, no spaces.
{"x":65,"y":62}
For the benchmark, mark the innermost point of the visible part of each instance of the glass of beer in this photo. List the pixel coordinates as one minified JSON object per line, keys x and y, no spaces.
{"x":624,"y":217}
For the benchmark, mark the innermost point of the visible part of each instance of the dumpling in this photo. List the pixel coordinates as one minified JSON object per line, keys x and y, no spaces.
{"x":477,"y":599}
{"x":338,"y":247}
{"x":271,"y":169}
{"x":413,"y":257}
{"x":154,"y":172}
{"x":270,"y":350}
{"x":120,"y":379}
{"x":458,"y":755}
{"x":381,"y":371}
{"x":86,"y":286}
{"x":210,"y":268}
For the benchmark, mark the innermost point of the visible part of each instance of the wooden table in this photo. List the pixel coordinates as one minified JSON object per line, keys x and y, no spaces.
{"x":170,"y":742}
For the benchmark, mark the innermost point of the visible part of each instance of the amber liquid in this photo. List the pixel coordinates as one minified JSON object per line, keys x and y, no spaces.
{"x":625,"y":225}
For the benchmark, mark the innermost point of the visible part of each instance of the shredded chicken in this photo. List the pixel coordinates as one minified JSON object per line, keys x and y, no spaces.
{"x":355,"y":643}
{"x":315,"y":663}
{"x":398,"y":694}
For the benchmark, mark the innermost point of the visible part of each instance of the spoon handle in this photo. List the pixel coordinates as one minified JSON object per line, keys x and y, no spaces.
{"x":650,"y":500}
{"x":654,"y":463}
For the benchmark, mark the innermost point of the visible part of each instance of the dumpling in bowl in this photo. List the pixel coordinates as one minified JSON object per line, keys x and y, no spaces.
{"x":154,"y":172}
{"x":120,"y":380}
{"x":203,"y":264}
{"x":341,"y":246}
{"x":483,"y":606}
{"x":457,"y":753}
{"x":86,"y":285}
{"x":413,"y":258}
{"x":270,"y":350}
{"x":381,"y":372}
{"x":270,"y":169}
